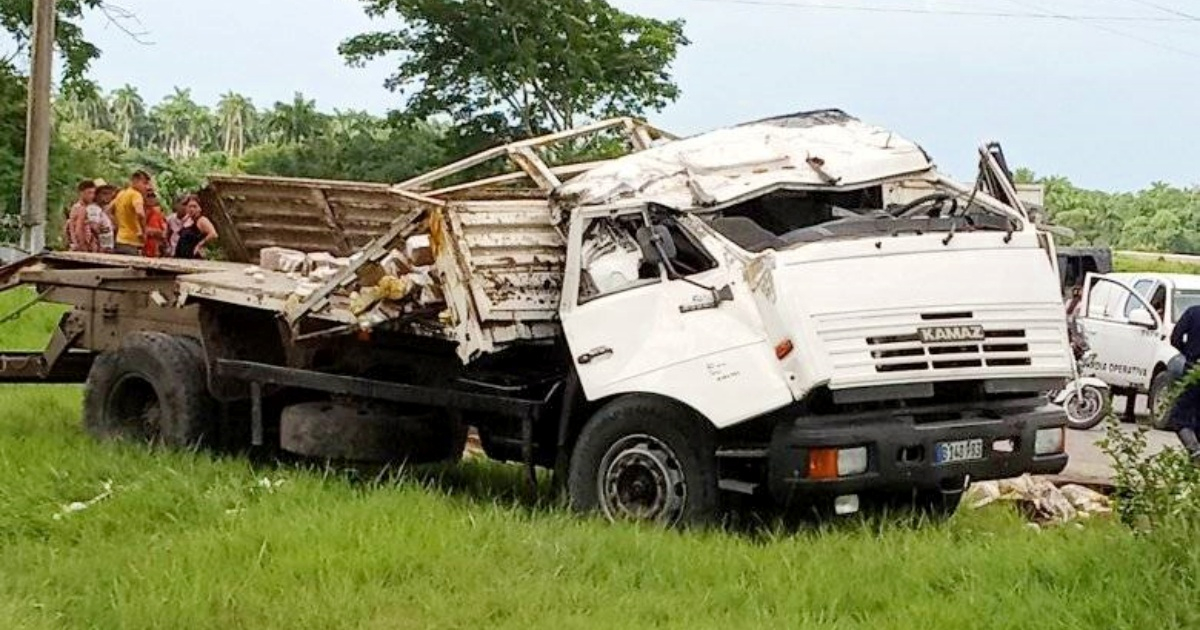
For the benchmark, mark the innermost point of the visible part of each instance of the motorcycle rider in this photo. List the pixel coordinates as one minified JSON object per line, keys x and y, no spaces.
{"x":1185,"y":415}
{"x":1075,"y":334}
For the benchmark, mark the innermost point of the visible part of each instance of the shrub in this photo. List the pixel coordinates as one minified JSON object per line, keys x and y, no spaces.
{"x":1152,"y":490}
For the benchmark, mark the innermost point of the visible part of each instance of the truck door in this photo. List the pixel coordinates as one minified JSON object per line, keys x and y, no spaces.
{"x":1122,"y":331}
{"x":611,"y":296}
{"x":694,"y":336}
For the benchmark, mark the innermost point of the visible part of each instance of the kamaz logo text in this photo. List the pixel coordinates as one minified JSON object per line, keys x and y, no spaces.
{"x":937,"y":334}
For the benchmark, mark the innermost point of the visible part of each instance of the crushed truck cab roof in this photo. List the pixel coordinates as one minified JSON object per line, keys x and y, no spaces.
{"x":813,"y":149}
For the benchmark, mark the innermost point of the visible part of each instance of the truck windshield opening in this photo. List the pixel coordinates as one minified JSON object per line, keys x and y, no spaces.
{"x":786,"y":219}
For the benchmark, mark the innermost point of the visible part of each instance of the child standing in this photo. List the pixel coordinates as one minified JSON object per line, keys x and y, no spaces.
{"x":155,"y":233}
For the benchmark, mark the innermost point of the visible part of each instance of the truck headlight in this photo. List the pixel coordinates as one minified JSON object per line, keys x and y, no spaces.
{"x":1050,"y":441}
{"x":831,"y":463}
{"x":852,"y":461}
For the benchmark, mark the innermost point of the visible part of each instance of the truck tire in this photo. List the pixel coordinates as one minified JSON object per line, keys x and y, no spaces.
{"x":368,"y":432}
{"x":151,"y":389}
{"x":1157,"y":401}
{"x":645,"y":459}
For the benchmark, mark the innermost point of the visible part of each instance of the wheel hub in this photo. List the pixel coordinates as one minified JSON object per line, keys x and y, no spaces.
{"x":1084,"y":405}
{"x":642,"y":480}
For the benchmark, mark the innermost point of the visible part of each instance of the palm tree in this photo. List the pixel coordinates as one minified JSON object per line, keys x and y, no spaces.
{"x":351,"y":123}
{"x":129,"y":115}
{"x":88,"y":108}
{"x":296,"y":121}
{"x":183,"y":128}
{"x":236,"y":117}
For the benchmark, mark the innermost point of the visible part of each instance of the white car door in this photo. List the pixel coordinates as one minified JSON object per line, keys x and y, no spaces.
{"x":633,"y":329}
{"x":1122,"y":332}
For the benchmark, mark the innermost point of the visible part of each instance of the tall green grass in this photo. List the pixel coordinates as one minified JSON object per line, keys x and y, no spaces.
{"x":1161,"y":265}
{"x":32,"y":328}
{"x":190,"y":540}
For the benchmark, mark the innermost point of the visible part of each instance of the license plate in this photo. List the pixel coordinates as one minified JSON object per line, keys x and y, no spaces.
{"x":958,"y":451}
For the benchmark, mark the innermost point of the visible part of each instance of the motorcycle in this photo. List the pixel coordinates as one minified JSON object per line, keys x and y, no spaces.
{"x":1086,"y":399}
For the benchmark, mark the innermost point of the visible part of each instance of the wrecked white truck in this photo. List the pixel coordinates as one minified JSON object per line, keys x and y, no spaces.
{"x":767,"y":309}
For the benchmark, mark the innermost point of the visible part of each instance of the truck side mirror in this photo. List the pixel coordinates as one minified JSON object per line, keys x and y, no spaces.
{"x":1142,"y":317}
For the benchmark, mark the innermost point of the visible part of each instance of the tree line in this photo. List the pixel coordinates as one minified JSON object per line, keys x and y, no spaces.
{"x":109,"y":135}
{"x":1159,"y":218}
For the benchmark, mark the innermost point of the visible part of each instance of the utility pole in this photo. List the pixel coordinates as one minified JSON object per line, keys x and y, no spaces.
{"x":37,"y":131}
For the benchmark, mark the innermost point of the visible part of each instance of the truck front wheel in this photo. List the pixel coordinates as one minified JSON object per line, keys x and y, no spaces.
{"x":645,"y":459}
{"x":151,"y":389}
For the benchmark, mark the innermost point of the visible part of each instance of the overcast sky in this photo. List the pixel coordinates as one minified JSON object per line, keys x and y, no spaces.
{"x":1111,"y":104}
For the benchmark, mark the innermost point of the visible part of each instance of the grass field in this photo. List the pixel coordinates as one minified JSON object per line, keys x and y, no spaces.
{"x":33,"y":327}
{"x":186,"y":540}
{"x":1126,"y":263}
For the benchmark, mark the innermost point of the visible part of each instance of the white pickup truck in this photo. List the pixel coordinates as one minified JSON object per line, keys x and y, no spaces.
{"x":1127,"y":319}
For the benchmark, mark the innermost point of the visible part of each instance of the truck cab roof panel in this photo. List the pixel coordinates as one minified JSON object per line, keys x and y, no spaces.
{"x":824,"y":149}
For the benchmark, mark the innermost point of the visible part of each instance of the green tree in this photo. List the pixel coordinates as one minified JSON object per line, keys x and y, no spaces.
{"x":1024,"y":176}
{"x":351,"y":123}
{"x":129,"y":116}
{"x":236,"y":115}
{"x":501,"y":68}
{"x":76,"y":53}
{"x":183,"y":128}
{"x":85,"y":105}
{"x":1159,"y":218}
{"x":358,"y":147}
{"x":296,"y":121}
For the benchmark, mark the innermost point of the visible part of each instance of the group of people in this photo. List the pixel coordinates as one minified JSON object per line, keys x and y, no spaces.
{"x":131,"y":221}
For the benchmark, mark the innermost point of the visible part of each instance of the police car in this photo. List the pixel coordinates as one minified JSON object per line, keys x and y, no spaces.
{"x":1127,"y":319}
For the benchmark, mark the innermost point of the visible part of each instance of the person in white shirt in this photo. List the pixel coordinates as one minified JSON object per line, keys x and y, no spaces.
{"x":98,"y":219}
{"x":175,"y":223}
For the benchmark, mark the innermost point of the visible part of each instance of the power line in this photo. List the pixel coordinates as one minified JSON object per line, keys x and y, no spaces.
{"x":957,"y":12}
{"x":1165,"y":9}
{"x":1109,"y":29}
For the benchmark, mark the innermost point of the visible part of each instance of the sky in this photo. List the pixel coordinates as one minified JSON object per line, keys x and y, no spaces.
{"x":1111,"y":104}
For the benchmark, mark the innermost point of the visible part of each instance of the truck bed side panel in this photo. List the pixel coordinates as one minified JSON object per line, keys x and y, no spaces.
{"x":503,"y":268}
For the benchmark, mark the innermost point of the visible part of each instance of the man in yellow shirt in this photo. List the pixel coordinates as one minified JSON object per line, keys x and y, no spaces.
{"x":130,"y":213}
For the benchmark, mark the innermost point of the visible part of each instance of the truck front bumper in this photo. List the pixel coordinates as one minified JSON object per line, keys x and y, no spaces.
{"x":901,"y":449}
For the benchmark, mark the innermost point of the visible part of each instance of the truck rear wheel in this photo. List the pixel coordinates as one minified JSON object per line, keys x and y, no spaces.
{"x":371,"y":432}
{"x":151,"y":389}
{"x":645,"y":459}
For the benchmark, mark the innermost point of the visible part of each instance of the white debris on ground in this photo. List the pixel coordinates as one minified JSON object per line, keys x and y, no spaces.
{"x":474,"y":446}
{"x":79,"y":506}
{"x":1039,"y":499}
{"x":270,"y":485}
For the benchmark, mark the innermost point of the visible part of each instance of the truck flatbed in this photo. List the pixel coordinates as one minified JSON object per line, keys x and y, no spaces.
{"x":166,"y":265}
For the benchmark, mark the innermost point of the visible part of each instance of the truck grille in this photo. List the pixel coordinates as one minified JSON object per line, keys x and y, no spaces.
{"x":894,"y":344}
{"x":906,"y":353}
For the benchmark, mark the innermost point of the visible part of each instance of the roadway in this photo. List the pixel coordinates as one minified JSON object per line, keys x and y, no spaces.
{"x":1087,"y":462}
